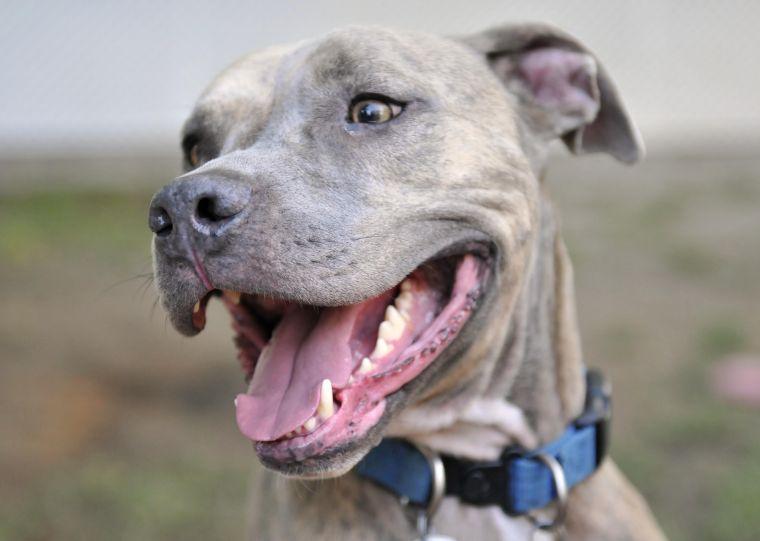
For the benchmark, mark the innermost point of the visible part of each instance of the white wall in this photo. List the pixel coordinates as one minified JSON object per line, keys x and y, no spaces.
{"x":107,"y":75}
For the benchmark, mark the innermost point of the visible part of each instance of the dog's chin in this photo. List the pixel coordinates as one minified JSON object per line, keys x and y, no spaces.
{"x":324,"y":381}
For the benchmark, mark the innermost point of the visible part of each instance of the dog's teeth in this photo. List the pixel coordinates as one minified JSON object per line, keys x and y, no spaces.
{"x":366,"y":366}
{"x":236,"y":401}
{"x":325,"y":408}
{"x":197,"y":307}
{"x":381,"y":349}
{"x":234,"y":296}
{"x":404,"y":302}
{"x":389,"y":332}
{"x":406,"y":285}
{"x":394,"y":316}
{"x":311,"y":424}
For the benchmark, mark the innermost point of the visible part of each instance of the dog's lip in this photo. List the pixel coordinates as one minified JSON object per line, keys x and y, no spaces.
{"x":479,"y":246}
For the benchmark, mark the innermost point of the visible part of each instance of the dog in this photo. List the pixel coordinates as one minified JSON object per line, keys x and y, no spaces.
{"x":370,"y":207}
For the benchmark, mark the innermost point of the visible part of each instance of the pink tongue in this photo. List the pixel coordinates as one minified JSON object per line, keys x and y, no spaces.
{"x":307,"y":347}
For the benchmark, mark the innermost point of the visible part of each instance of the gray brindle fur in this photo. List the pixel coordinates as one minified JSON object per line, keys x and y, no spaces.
{"x":329,"y":214}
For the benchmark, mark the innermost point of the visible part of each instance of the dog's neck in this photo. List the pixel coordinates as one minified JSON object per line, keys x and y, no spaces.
{"x":543,"y":347}
{"x":541,"y":368}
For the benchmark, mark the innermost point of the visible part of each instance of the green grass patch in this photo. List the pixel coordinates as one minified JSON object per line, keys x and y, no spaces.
{"x":44,"y":226}
{"x":108,"y":498}
{"x":736,"y":503}
{"x":690,"y":261}
{"x":721,"y":338}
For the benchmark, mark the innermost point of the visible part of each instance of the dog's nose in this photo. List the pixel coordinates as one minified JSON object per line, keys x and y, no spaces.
{"x":208,"y":205}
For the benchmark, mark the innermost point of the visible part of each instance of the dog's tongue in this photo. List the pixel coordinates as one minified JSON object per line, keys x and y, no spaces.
{"x":307,"y":347}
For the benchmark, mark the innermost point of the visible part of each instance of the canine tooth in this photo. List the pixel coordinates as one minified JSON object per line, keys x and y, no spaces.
{"x":234,"y":296}
{"x":325,"y":408}
{"x":406,"y":285}
{"x":311,"y":424}
{"x":236,"y":401}
{"x":395,"y":317}
{"x":366,"y":366}
{"x":197,"y":307}
{"x":381,"y":348}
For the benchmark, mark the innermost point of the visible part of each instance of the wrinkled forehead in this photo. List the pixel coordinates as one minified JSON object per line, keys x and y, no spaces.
{"x":355,"y":58}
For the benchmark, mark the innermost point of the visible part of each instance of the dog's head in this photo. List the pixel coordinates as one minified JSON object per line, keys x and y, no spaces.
{"x":365,"y":204}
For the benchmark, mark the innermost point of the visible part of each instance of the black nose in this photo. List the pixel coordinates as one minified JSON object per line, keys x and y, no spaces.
{"x":209,"y":205}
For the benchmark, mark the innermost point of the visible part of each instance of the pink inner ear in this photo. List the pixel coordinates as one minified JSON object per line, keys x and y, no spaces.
{"x":561,"y":80}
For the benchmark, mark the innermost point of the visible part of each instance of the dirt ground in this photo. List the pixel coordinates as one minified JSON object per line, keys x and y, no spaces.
{"x":114,"y":427}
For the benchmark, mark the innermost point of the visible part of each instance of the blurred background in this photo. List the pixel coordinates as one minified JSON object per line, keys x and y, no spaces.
{"x":114,"y":427}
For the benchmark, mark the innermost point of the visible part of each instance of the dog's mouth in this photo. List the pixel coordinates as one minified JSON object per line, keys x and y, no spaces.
{"x":319,"y":377}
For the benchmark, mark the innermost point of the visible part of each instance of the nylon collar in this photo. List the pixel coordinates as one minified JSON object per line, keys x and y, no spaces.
{"x":519,"y":481}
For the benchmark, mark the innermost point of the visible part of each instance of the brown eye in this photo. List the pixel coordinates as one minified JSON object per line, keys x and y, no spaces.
{"x":373,"y":111}
{"x":193,"y":157}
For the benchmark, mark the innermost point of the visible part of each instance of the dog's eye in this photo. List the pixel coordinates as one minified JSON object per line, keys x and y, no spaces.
{"x":373,"y":111}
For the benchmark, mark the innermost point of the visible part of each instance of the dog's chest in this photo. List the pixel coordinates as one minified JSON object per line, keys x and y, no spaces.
{"x":464,"y":522}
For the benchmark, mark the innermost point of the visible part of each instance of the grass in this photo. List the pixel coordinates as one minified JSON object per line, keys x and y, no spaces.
{"x":108,"y":497}
{"x":39,"y":227}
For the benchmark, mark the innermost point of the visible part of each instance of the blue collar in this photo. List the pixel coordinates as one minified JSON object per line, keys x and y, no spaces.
{"x":520,"y":481}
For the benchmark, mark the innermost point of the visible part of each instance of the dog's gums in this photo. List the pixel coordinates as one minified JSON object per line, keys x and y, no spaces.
{"x":319,"y":376}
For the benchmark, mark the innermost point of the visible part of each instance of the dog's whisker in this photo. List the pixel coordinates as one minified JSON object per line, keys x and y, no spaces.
{"x":124,"y":281}
{"x":145,"y":286}
{"x":153,"y":307}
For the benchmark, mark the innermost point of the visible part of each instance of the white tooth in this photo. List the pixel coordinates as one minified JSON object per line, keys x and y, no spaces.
{"x":388,"y":331}
{"x":311,"y":424}
{"x":236,"y":402}
{"x":381,"y":349}
{"x":404,"y":302}
{"x":366,"y":366}
{"x":325,"y":408}
{"x":395,"y":317}
{"x":197,"y":307}
{"x":351,"y":380}
{"x":406,"y":285}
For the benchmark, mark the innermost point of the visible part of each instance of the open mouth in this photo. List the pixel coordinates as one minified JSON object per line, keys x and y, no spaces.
{"x":319,"y":377}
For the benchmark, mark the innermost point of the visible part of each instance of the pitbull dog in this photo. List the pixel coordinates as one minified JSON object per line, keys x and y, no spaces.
{"x":370,"y":208}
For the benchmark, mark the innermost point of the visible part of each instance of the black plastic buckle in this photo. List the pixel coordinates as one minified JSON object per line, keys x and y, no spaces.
{"x":476,"y":483}
{"x":597,"y":411}
{"x":482,"y":483}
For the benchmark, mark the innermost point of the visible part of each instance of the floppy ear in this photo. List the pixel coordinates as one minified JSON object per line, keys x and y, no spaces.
{"x":562,"y":89}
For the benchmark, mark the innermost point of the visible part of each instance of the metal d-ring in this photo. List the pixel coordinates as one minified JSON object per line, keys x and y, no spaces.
{"x":438,"y":473}
{"x":560,"y":485}
{"x":437,"y":489}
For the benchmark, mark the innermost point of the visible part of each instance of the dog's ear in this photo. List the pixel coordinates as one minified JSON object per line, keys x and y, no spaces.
{"x":562,"y":89}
